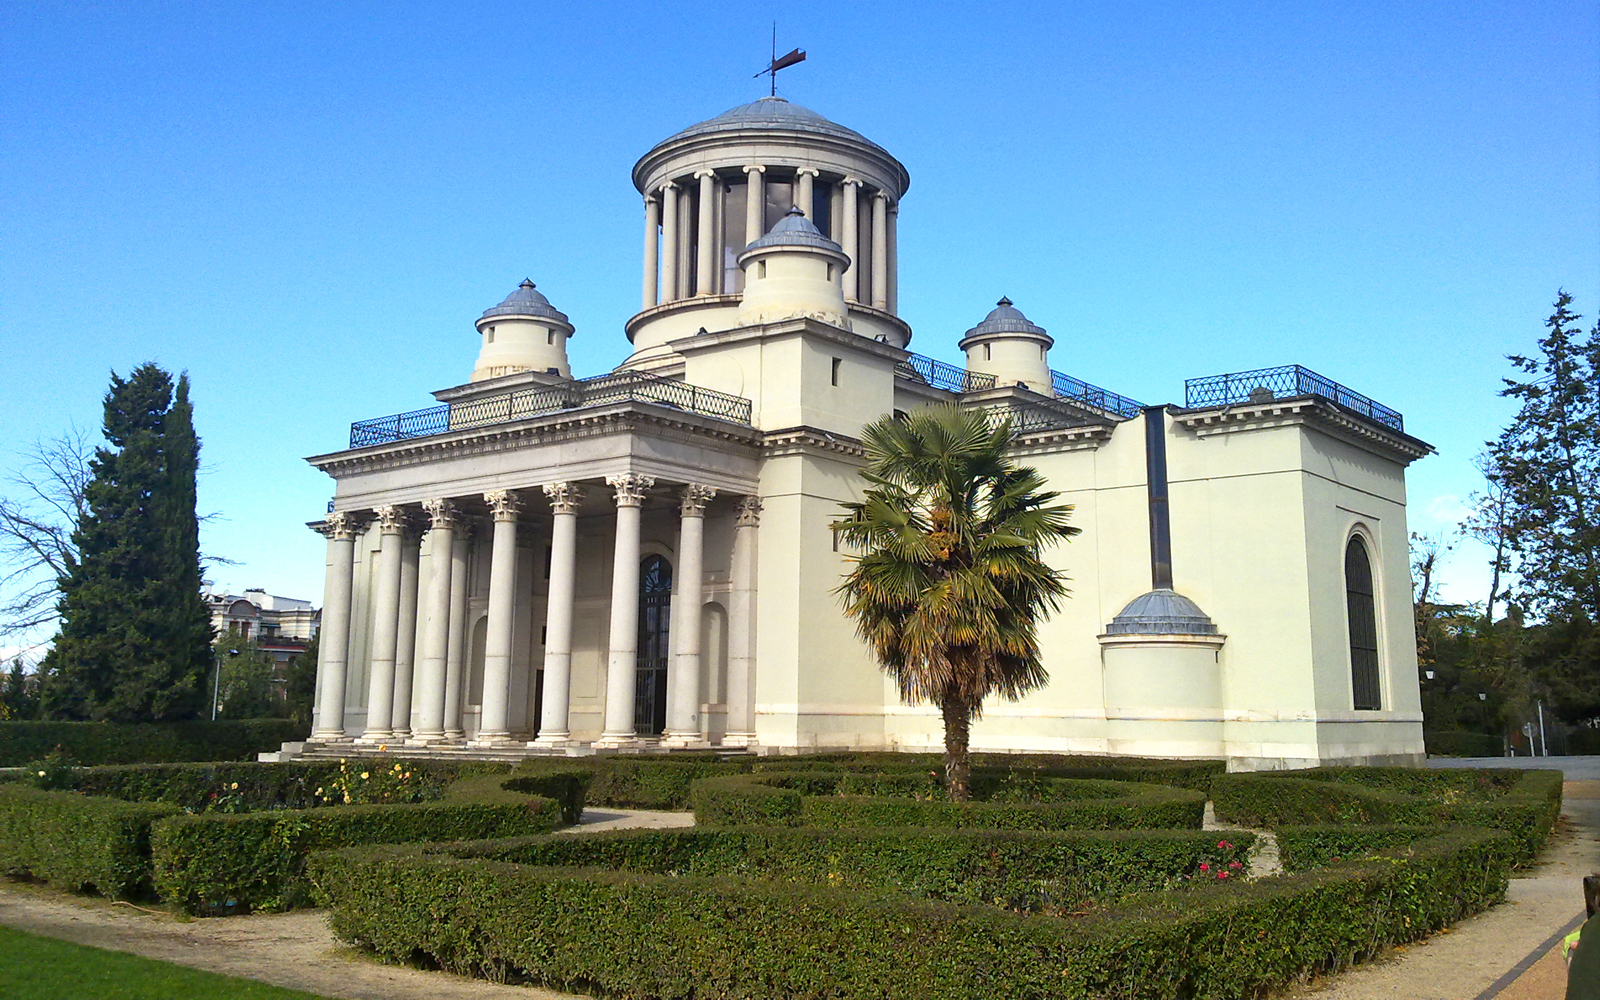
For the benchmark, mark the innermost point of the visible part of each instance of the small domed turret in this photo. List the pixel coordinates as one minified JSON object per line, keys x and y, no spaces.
{"x":523,"y":333}
{"x":793,"y":271}
{"x":1009,"y":347}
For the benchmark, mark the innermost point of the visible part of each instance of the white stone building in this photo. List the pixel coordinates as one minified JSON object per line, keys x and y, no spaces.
{"x":643,"y":558}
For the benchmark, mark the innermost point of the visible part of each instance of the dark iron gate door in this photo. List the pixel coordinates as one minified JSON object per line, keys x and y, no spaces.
{"x":655,"y":607}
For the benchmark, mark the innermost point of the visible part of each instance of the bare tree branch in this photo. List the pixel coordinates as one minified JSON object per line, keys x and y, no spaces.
{"x":37,"y":520}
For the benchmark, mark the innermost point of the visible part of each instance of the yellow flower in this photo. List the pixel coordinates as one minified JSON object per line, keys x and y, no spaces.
{"x":382,"y":747}
{"x":234,"y":787}
{"x":363,"y":776}
{"x":41,"y":774}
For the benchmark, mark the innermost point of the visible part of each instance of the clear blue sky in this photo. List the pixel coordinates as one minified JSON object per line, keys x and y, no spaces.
{"x":306,"y":206}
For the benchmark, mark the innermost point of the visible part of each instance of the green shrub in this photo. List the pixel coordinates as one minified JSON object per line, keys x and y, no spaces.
{"x":1195,"y":774}
{"x":215,"y":863}
{"x":1524,"y":804}
{"x":75,"y":841}
{"x":1021,"y":870}
{"x":833,"y":799}
{"x":636,"y":935}
{"x":1457,"y":744}
{"x":637,"y":782}
{"x":1302,"y":848}
{"x":91,"y":743}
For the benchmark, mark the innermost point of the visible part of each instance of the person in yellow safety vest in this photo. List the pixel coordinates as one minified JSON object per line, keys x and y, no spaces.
{"x":1582,"y":951}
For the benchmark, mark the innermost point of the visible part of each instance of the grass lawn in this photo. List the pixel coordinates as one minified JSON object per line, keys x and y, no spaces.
{"x":41,"y":968}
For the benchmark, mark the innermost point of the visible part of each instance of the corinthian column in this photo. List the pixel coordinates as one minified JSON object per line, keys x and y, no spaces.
{"x":851,"y":243}
{"x":622,"y":665}
{"x":669,"y":242}
{"x":385,"y":626}
{"x":340,"y":529}
{"x":742,"y":628}
{"x":706,"y":242}
{"x":435,"y":614}
{"x":683,"y":680}
{"x":755,"y":204}
{"x":652,"y":223}
{"x":554,"y":725}
{"x":880,"y":250}
{"x":494,"y":725}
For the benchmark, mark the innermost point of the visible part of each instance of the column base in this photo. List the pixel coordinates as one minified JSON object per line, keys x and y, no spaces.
{"x":401,"y":735}
{"x":374,"y":738}
{"x":615,"y":741}
{"x":455,"y":734}
{"x":428,"y":740}
{"x":688,"y":740}
{"x":492,"y":740}
{"x":551,"y":741}
{"x":329,"y":736}
{"x":740,"y":740}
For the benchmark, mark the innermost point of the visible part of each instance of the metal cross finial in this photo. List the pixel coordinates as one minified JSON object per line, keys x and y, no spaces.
{"x":780,"y":62}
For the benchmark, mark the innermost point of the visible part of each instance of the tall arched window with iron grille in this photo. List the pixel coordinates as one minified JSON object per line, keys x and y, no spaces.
{"x":1362,"y":615}
{"x":655,"y":611}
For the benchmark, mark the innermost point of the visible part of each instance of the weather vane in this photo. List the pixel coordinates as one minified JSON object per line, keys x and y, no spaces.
{"x":780,"y":62}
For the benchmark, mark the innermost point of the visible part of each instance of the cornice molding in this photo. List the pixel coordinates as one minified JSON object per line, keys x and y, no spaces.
{"x":545,"y":429}
{"x":1309,"y":411}
{"x":1086,"y":438}
{"x":803,"y":440}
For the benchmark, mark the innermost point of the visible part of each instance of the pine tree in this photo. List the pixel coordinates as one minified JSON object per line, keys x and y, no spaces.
{"x":130,"y":604}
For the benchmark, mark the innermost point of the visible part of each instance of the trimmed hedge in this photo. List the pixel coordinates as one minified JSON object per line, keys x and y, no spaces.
{"x":1524,"y":804}
{"x":626,"y":934}
{"x":1195,"y":774}
{"x":1020,"y":870}
{"x":835,"y":799}
{"x":157,"y":742}
{"x":216,"y":863}
{"x":1457,"y":744}
{"x":1302,"y":848}
{"x":77,"y":842}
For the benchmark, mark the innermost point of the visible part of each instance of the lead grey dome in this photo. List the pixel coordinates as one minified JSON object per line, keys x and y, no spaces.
{"x":1005,"y":318}
{"x":795,"y":230}
{"x":771,"y":113}
{"x":1161,"y":612}
{"x":525,"y":300}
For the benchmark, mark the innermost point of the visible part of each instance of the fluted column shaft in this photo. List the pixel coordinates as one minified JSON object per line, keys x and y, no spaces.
{"x":405,"y":655}
{"x":706,"y":240}
{"x":742,"y":627}
{"x":880,"y":250}
{"x":455,"y":661}
{"x":685,"y":243}
{"x":652,"y":249}
{"x":434,"y":653}
{"x":683,"y":680}
{"x":494,"y":725}
{"x":755,"y":203}
{"x":334,"y":636}
{"x":385,"y":626}
{"x":554,"y":712}
{"x":851,"y":243}
{"x":622,"y":665}
{"x":805,"y":192}
{"x":669,"y":242}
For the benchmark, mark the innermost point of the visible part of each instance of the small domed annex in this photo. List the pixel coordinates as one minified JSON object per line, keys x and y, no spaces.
{"x":524,"y":333}
{"x":1007,"y":345}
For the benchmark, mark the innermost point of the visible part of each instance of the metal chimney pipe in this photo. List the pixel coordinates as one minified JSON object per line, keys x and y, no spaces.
{"x":1155,"y":465}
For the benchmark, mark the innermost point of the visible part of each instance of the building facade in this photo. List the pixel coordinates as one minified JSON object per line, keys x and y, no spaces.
{"x":643,"y":559}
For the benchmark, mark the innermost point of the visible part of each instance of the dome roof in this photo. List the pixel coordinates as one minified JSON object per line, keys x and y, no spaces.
{"x":795,"y":230}
{"x":771,"y":113}
{"x":1161,"y":612}
{"x":1005,"y":318}
{"x":525,"y":300}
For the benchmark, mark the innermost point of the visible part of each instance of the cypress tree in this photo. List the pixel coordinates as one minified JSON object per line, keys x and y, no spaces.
{"x":131,"y":610}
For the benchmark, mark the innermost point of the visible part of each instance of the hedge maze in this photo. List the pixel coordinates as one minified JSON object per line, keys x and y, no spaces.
{"x":827,"y":876}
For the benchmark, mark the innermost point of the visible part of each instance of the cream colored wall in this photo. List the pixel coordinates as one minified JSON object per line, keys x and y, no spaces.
{"x":520,"y":344}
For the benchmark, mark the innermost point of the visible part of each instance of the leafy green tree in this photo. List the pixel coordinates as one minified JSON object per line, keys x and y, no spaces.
{"x":1547,"y":461}
{"x":19,"y":694}
{"x":245,"y":687}
{"x":950,"y":584}
{"x":135,"y":636}
{"x":300,"y":685}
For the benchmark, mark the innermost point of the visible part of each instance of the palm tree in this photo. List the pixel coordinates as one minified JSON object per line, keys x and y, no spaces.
{"x":950,"y":585}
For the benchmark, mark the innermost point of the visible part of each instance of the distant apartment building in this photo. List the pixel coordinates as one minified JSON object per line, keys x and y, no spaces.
{"x":280,"y":626}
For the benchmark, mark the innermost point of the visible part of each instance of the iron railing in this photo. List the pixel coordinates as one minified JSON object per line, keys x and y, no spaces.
{"x":622,"y":387}
{"x":1267,"y":384}
{"x":1026,"y":418}
{"x":942,"y":375}
{"x":1079,"y":391}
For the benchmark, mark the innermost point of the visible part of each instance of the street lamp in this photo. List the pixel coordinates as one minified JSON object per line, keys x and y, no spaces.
{"x":1428,"y":674}
{"x":216,"y":683}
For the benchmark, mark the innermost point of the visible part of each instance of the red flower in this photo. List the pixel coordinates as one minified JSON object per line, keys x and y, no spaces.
{"x":1204,"y":867}
{"x":1223,"y":845}
{"x":1222,"y":874}
{"x":1234,"y":864}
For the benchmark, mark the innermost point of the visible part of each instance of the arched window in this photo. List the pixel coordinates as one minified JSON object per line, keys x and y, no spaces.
{"x":655,"y":607}
{"x":1362,"y":616}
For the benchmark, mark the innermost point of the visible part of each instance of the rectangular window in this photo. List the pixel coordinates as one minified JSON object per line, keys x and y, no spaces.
{"x":835,"y":375}
{"x":550,"y":336}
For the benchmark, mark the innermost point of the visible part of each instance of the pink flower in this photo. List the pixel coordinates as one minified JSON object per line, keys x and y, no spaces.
{"x":1223,"y":845}
{"x":1222,"y":874}
{"x":1204,"y":867}
{"x":1234,"y":864}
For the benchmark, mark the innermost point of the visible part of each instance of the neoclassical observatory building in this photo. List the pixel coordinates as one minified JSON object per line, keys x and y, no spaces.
{"x":642,"y":559}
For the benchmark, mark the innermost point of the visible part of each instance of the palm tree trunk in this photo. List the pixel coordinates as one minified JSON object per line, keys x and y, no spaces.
{"x":957,"y":763}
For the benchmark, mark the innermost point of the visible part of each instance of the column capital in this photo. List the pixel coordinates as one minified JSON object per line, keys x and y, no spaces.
{"x":339,"y":525}
{"x":695,"y":498}
{"x":504,"y":504}
{"x":852,"y":181}
{"x":442,"y":513}
{"x":704,"y":172}
{"x":883,"y":196}
{"x":668,"y":187}
{"x":813,"y":171}
{"x":749,"y":512}
{"x":652,"y":198}
{"x":565,"y":498}
{"x":630,"y":488}
{"x":392,"y":519}
{"x":755,"y":168}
